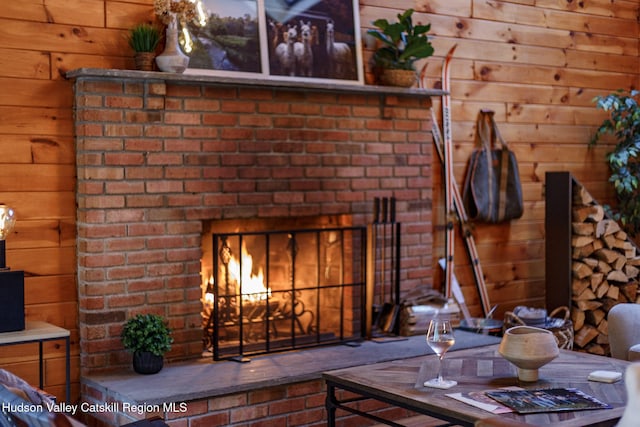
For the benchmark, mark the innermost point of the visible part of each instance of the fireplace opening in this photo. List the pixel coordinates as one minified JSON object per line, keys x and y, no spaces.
{"x":267,"y":290}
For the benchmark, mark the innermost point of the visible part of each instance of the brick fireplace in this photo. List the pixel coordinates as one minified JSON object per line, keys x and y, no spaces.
{"x":160,"y":156}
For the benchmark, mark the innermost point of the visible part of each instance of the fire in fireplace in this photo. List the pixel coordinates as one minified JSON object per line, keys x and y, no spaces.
{"x":269,"y":291}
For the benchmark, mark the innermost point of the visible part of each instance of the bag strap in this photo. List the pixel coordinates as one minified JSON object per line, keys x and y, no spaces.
{"x":497,"y":140}
{"x":504,"y":167}
{"x":484,"y":133}
{"x":488,"y":138}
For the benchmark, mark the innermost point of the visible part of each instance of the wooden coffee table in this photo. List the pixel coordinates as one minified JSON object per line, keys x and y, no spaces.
{"x":400,"y":383}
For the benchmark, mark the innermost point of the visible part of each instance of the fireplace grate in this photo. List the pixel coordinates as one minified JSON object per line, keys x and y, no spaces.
{"x":274,"y":291}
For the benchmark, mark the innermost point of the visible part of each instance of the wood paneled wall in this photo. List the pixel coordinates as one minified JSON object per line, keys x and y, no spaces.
{"x":537,"y":63}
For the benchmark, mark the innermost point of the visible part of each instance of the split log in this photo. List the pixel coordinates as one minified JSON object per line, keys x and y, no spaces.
{"x":617,"y":276}
{"x":595,"y":349}
{"x":587,"y":305}
{"x":608,"y":255}
{"x":604,"y":267}
{"x":602,"y":290}
{"x":603,"y":327}
{"x":603,"y":339}
{"x":581,"y":197}
{"x":585,"y":335}
{"x":581,"y":270}
{"x":583,"y":251}
{"x":608,"y":303}
{"x":577,"y":318}
{"x":596,"y":280}
{"x":580,"y":241}
{"x":595,"y":317}
{"x":585,"y":295}
{"x":606,"y":227}
{"x":630,"y":291}
{"x":631,"y":271}
{"x":610,"y":241}
{"x":583,"y":228}
{"x":579,"y":285}
{"x":593,"y":213}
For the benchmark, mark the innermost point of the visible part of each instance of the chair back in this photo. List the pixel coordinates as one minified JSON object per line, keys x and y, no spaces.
{"x":624,"y":329}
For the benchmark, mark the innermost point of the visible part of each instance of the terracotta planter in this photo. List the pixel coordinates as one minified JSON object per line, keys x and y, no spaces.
{"x":147,"y":363}
{"x":400,"y":78}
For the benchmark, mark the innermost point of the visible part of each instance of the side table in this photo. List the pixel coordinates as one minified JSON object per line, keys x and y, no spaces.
{"x":37,"y":331}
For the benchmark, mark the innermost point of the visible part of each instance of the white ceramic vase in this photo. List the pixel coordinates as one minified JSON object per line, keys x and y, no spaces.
{"x":529,"y":349}
{"x":172,"y":59}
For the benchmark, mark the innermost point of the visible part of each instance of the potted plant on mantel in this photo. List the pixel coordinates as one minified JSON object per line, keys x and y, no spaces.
{"x":144,"y":39}
{"x":148,"y":338}
{"x":403,"y":43}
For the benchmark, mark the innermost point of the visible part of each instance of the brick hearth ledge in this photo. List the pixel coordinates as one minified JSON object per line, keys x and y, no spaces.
{"x":205,"y":389}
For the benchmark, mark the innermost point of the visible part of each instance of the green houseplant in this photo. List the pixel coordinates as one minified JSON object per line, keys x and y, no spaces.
{"x":624,"y":124}
{"x":402,"y":44}
{"x":148,"y":338}
{"x":144,"y":39}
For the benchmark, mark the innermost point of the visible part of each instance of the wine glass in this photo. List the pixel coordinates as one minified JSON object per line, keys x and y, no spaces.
{"x":440,"y":338}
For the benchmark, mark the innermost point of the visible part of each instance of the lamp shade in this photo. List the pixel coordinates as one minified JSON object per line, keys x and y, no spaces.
{"x":7,"y":221}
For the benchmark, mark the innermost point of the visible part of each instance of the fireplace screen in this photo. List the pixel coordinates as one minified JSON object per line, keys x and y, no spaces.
{"x":282,"y":290}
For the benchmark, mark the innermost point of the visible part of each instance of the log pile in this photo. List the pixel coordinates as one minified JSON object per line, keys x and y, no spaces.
{"x":605,"y":271}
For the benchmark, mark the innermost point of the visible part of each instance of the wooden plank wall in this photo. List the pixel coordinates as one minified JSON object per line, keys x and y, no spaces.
{"x":537,"y":63}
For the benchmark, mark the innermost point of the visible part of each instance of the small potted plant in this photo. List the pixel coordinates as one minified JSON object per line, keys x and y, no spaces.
{"x":148,"y":338}
{"x":144,"y":39}
{"x":403,"y":43}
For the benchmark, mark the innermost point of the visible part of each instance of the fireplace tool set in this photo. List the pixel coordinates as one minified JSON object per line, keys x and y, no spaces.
{"x":384,"y":259}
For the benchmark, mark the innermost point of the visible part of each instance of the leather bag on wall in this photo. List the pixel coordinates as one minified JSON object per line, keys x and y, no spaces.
{"x":492,"y":189}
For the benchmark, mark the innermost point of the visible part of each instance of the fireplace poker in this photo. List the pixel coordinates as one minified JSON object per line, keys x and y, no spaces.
{"x":394,"y":267}
{"x":376,"y":309}
{"x":383,"y":272}
{"x":391,"y":308}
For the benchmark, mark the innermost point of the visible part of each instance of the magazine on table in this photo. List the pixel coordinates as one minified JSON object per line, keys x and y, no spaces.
{"x":546,"y":400}
{"x":479,"y":399}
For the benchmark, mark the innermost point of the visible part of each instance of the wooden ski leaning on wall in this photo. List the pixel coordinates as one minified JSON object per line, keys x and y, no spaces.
{"x":452,"y":189}
{"x":465,"y":227}
{"x":448,"y":173}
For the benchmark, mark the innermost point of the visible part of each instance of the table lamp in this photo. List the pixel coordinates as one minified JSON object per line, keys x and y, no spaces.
{"x":11,"y":282}
{"x":7,"y":221}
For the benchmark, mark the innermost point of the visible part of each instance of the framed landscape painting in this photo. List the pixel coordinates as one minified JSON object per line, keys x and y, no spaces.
{"x":312,"y":40}
{"x":230,"y":43}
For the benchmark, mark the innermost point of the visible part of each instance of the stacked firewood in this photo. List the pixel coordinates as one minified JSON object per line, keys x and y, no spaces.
{"x":605,"y":270}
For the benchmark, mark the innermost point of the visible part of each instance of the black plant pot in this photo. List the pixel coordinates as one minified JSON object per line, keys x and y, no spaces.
{"x":147,"y":363}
